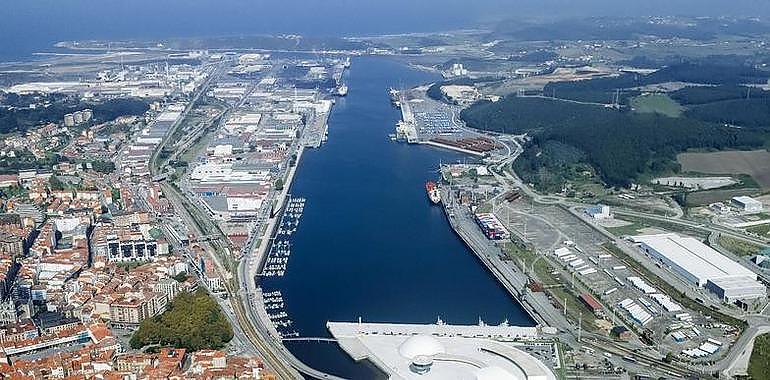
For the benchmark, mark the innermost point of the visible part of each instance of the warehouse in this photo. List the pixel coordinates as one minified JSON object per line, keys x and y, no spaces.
{"x":747,"y":204}
{"x":702,"y":266}
{"x":731,"y":289}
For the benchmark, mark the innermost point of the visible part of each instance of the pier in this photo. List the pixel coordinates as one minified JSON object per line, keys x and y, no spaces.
{"x":489,"y":254}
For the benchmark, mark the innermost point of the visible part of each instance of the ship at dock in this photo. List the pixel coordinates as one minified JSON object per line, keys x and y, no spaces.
{"x":432,"y":189}
{"x":342,"y":90}
{"x":394,"y":97}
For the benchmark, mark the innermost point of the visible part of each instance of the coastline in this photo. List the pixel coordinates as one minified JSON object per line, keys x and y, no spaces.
{"x":515,"y":283}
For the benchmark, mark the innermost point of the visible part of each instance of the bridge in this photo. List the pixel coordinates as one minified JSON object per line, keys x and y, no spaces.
{"x":309,"y":339}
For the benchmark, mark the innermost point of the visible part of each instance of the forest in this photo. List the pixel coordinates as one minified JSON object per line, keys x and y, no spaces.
{"x":690,"y":72}
{"x":21,"y":119}
{"x":619,"y":144}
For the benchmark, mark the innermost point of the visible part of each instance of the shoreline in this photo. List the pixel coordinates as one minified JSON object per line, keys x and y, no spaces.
{"x":502,"y":279}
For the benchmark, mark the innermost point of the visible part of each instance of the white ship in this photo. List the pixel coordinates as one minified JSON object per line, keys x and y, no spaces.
{"x":342,"y":90}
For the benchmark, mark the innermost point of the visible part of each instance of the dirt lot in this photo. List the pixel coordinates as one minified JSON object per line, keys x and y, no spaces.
{"x":755,"y":163}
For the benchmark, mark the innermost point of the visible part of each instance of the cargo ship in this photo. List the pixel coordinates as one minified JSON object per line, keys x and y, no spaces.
{"x":432,"y":190}
{"x":394,"y":97}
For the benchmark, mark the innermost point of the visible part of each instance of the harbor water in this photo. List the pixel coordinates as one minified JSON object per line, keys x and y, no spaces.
{"x":370,"y":244}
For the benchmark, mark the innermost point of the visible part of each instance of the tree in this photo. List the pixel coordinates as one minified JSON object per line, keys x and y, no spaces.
{"x":102,"y":166}
{"x":192,"y":321}
{"x":279,"y":184}
{"x":55,"y":184}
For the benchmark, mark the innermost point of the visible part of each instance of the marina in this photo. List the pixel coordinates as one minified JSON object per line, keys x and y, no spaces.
{"x":278,"y":258}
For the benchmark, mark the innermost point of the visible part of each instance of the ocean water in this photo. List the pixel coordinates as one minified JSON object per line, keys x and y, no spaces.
{"x":29,"y":26}
{"x":369,"y":243}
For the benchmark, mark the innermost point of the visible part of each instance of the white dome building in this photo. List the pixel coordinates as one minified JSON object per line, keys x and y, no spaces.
{"x":420,"y":345}
{"x":495,"y":373}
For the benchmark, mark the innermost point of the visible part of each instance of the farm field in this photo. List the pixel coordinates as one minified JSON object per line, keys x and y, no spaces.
{"x":656,"y":103}
{"x":755,"y":163}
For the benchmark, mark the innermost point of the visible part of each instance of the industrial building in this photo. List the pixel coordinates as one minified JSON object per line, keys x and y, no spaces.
{"x":703,"y":266}
{"x":599,"y":212}
{"x":747,"y":204}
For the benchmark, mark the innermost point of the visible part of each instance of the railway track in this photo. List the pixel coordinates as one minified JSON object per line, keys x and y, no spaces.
{"x":639,"y":358}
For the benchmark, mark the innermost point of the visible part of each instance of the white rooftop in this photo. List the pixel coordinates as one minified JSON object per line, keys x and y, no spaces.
{"x":746,"y":200}
{"x":700,"y":260}
{"x":450,"y":351}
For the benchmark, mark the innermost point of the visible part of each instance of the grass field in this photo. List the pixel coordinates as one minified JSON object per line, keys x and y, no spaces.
{"x":630,"y":229}
{"x":739,"y":247}
{"x":759,"y":363}
{"x":656,"y":103}
{"x":753,"y":163}
{"x":557,"y":288}
{"x":761,"y":230}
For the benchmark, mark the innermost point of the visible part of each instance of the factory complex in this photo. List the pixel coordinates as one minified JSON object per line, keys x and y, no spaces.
{"x":703,"y":266}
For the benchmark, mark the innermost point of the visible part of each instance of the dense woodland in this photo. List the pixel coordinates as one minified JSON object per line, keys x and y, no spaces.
{"x":708,"y":94}
{"x":21,"y":119}
{"x":193,"y":321}
{"x":619,"y":144}
{"x":721,"y":111}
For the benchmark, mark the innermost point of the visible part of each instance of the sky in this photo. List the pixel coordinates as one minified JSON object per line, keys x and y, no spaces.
{"x":30,"y":24}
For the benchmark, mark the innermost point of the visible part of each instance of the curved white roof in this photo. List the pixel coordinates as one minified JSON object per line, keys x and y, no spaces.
{"x":494,"y":373}
{"x":420,"y":345}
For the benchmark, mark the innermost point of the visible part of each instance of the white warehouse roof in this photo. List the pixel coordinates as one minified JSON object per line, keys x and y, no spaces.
{"x":698,"y":261}
{"x":745,"y":200}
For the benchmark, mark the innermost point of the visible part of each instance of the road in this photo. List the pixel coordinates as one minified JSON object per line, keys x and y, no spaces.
{"x":253,"y":331}
{"x":538,"y":305}
{"x":274,"y":355}
{"x":244,"y":304}
{"x":731,"y":363}
{"x":154,"y":164}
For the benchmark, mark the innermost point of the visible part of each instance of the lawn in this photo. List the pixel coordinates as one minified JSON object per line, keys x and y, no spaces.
{"x":739,"y":247}
{"x":753,"y":163}
{"x":656,"y":103}
{"x":543,"y":272}
{"x":630,"y":229}
{"x":759,"y":363}
{"x":541,"y":267}
{"x":761,"y":230}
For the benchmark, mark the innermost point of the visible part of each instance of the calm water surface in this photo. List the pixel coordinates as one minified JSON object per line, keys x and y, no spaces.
{"x":369,"y":243}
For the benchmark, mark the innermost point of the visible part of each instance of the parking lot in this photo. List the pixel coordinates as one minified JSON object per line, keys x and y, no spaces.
{"x":582,"y":263}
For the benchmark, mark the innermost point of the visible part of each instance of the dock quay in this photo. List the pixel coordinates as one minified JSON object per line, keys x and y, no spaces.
{"x":453,"y":148}
{"x":438,"y":329}
{"x":315,"y":134}
{"x":488,"y":253}
{"x":454,"y":351}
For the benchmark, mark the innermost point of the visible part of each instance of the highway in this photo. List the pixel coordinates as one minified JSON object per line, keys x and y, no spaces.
{"x":250,"y":264}
{"x":154,"y":164}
